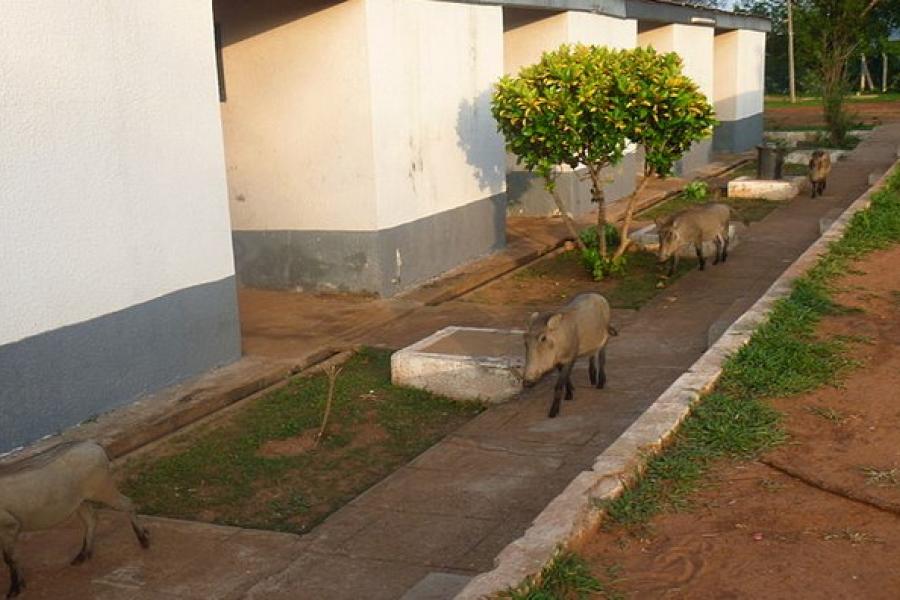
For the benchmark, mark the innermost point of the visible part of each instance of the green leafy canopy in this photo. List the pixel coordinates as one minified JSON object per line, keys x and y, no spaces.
{"x":584,"y":104}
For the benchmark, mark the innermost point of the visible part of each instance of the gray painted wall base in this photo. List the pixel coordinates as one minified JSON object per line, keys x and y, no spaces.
{"x":527,"y":196}
{"x":58,"y":379}
{"x":383,"y":262}
{"x":739,"y":136}
{"x":698,"y":156}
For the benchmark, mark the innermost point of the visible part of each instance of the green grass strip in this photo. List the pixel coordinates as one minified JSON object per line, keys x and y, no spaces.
{"x":566,"y":577}
{"x":782,"y":358}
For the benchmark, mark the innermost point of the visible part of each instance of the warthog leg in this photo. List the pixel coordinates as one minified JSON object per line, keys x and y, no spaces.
{"x":699,"y":250}
{"x":601,"y":367}
{"x":111,"y":497}
{"x":718,"y":242}
{"x":673,"y":264}
{"x":592,"y":368}
{"x":86,"y":514}
{"x":9,"y":531}
{"x":562,"y":383}
{"x":725,"y":240}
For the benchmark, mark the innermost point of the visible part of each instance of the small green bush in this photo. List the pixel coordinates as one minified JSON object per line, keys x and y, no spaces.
{"x":597,"y":265}
{"x":696,"y":190}
{"x":590,"y":239}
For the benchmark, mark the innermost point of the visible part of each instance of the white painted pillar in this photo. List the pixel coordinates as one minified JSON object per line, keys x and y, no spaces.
{"x":362,"y":154}
{"x":694,"y":44}
{"x":739,"y":84}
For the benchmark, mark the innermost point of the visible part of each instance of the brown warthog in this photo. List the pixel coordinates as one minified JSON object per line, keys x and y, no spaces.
{"x":695,"y":225}
{"x":557,"y":339}
{"x":46,"y":489}
{"x":819,"y":168}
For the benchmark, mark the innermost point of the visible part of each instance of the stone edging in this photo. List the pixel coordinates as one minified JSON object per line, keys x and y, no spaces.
{"x":574,"y":512}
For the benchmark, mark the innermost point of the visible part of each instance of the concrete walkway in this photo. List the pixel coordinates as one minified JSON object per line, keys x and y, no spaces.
{"x":423,"y":531}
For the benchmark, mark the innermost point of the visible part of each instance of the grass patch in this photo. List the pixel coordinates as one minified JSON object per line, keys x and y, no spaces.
{"x":783,"y":358}
{"x":784,"y":101}
{"x":253,"y":470}
{"x":850,"y":142}
{"x":564,"y":275}
{"x":567,"y":577}
{"x":742,"y":209}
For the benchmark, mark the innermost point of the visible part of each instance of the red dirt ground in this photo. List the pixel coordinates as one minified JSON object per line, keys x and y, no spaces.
{"x":870,"y":113}
{"x":755,"y":531}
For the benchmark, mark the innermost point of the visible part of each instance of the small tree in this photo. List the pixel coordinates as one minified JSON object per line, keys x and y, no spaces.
{"x":667,"y":114}
{"x":583,"y":105}
{"x":566,"y":110}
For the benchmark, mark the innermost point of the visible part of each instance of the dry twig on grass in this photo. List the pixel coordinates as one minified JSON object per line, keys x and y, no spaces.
{"x":331,"y":372}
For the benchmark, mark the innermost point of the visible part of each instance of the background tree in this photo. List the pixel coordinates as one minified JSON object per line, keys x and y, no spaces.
{"x":841,"y":29}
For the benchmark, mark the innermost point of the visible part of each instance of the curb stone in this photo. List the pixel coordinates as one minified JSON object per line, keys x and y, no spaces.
{"x":574,"y":512}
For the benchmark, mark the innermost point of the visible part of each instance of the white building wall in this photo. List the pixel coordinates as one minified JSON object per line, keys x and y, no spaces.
{"x":298,"y":118}
{"x":525,"y":43}
{"x":111,"y":163}
{"x":739,"y":74}
{"x":693,"y":43}
{"x":432,"y":66}
{"x":601,"y":30}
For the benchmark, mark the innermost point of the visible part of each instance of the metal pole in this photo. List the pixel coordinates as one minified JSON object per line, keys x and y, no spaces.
{"x":791,"y":81}
{"x":884,"y":71}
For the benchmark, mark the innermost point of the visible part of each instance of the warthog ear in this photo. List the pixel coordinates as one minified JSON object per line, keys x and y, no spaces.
{"x":553,"y":322}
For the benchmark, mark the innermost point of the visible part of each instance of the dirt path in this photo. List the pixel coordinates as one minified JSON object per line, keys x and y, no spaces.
{"x":826,"y":522}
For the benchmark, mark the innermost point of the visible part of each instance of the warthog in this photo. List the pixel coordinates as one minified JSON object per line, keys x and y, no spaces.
{"x":44,"y":490}
{"x":558,"y":338}
{"x":695,"y":225}
{"x":819,"y":168}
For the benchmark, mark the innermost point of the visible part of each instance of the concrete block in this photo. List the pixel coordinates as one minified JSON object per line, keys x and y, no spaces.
{"x":767,"y":189}
{"x":464,"y":363}
{"x":828,"y":219}
{"x":801,"y":157}
{"x":647,"y":239}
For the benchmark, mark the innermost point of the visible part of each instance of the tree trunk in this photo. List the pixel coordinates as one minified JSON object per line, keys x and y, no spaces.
{"x":567,"y":220}
{"x":598,"y":197}
{"x":629,"y":214}
{"x":884,"y":72}
{"x":792,"y":85}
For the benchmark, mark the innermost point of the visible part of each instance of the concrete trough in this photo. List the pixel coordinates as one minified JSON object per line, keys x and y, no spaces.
{"x":766,"y":189}
{"x":647,"y":239}
{"x":464,"y":363}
